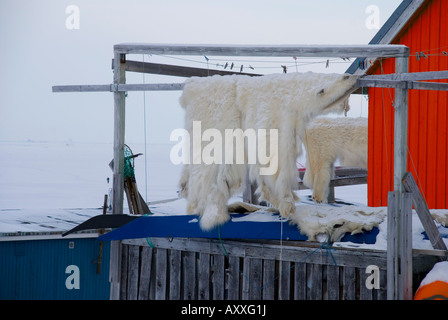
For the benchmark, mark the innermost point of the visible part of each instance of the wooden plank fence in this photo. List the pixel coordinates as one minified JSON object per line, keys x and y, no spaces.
{"x":204,"y":269}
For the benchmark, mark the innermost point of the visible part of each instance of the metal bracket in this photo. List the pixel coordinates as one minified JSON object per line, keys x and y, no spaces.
{"x":122,"y":58}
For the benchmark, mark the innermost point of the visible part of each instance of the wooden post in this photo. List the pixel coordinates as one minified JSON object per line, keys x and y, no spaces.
{"x":392,"y":256}
{"x":118,"y":181}
{"x":400,"y":126}
{"x":399,"y":245}
{"x":249,"y":190}
{"x":405,"y":256}
{"x":119,"y":130}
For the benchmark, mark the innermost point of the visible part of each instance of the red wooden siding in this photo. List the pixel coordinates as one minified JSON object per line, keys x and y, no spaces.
{"x":427,"y":115}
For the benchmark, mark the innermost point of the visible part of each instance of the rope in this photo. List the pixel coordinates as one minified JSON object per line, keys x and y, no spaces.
{"x":418,"y":178}
{"x":144,"y":129}
{"x":148,"y":239}
{"x":251,"y":62}
{"x":327,"y":246}
{"x":305,"y":61}
{"x":222,"y":243}
{"x":281,"y":240}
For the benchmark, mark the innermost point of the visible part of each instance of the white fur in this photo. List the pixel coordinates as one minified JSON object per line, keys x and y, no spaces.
{"x":327,"y":140}
{"x":335,"y":222}
{"x":207,"y":188}
{"x":286,"y":102}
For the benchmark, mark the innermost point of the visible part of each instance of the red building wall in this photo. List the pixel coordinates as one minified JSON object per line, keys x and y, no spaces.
{"x":427,"y":114}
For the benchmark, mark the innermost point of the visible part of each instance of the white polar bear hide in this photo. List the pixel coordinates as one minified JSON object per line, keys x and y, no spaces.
{"x":333,"y":223}
{"x":327,"y":140}
{"x":286,"y":102}
{"x":207,"y":187}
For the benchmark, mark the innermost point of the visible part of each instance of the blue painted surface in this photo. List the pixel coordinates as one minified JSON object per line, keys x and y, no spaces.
{"x":36,"y":269}
{"x":187,"y":226}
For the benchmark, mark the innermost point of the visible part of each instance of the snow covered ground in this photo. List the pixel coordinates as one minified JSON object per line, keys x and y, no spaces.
{"x":38,"y":179}
{"x":74,"y":175}
{"x":53,"y":186}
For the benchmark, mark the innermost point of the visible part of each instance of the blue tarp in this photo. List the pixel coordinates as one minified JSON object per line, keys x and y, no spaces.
{"x":187,"y":226}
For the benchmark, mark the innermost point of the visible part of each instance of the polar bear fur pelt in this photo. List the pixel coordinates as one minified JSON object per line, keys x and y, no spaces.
{"x":327,"y":140}
{"x":285,"y":102}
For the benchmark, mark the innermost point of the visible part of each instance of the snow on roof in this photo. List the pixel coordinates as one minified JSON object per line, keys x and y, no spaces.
{"x":316,"y":221}
{"x":31,"y":222}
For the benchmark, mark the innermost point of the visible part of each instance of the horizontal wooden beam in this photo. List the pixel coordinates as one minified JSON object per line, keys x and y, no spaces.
{"x":82,"y":88}
{"x":344,"y":176}
{"x":286,"y":251}
{"x":265,"y":50}
{"x":177,"y":71}
{"x":420,"y":85}
{"x":341,"y":172}
{"x":151,"y":87}
{"x":414,"y":76}
{"x":120,"y":87}
{"x":381,"y":83}
{"x":340,"y":182}
{"x":430,"y":252}
{"x":403,"y":84}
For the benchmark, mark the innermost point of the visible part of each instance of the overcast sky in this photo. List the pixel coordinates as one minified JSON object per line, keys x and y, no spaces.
{"x":41,"y":46}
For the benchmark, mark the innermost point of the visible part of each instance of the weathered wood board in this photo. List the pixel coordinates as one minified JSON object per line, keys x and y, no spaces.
{"x":204,"y":269}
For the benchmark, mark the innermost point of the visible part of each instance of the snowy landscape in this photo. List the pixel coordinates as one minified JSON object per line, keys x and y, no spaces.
{"x":55,"y":148}
{"x":48,"y":178}
{"x":53,"y":186}
{"x":75,"y":175}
